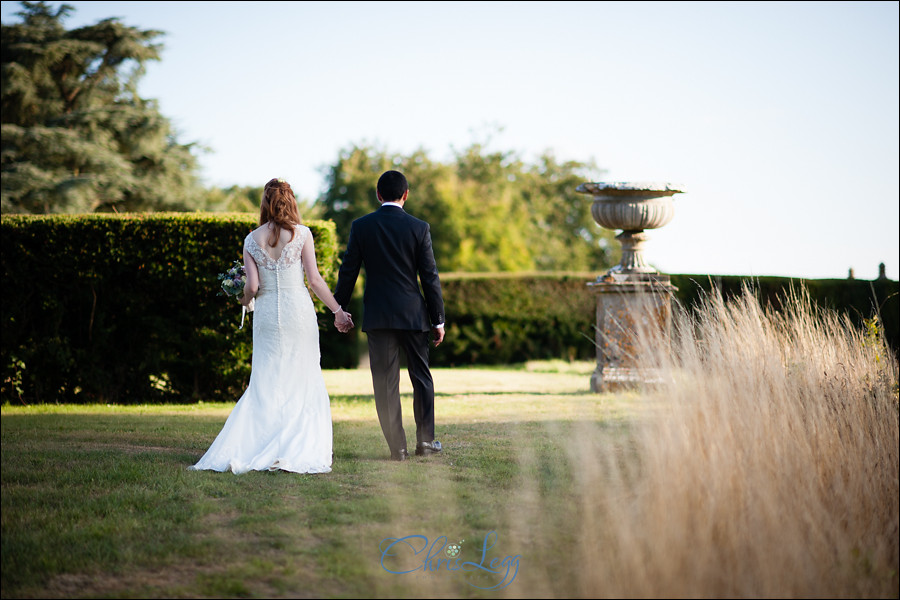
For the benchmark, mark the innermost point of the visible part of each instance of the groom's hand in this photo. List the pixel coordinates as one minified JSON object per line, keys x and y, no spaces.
{"x":438,"y":333}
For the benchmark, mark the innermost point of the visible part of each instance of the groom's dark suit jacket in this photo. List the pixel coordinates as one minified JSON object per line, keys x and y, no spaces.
{"x":395,"y":248}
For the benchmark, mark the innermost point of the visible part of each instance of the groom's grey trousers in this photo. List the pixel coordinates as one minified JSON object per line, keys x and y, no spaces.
{"x":384,"y":362}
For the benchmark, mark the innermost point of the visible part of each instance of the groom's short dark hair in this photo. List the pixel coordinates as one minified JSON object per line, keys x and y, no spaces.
{"x":391,"y":186}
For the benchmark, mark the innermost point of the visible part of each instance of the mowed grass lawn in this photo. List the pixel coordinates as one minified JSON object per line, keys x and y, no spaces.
{"x":763,"y":465}
{"x":97,"y":501}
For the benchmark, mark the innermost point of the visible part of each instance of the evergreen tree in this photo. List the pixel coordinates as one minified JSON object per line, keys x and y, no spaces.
{"x":76,"y":136}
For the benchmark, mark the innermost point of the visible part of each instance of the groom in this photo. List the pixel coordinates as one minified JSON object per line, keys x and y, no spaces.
{"x":395,"y":248}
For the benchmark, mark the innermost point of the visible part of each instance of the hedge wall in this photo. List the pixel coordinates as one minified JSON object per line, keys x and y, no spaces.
{"x":859,"y":298}
{"x":502,"y":319}
{"x":499,"y":319}
{"x":124,"y":308}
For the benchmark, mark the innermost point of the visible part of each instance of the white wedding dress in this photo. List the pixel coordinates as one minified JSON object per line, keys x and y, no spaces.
{"x":283,"y":419}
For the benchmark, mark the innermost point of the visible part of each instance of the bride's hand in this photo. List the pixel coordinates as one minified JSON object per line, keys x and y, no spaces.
{"x":343,"y":321}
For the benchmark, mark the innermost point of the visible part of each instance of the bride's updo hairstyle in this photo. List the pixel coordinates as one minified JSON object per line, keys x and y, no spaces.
{"x":279,"y":207}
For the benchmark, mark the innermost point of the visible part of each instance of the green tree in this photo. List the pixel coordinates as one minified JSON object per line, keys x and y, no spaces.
{"x":76,"y":136}
{"x":246,"y":198}
{"x":489,"y":211}
{"x":231,"y":199}
{"x":350,"y":183}
{"x":564,"y":234}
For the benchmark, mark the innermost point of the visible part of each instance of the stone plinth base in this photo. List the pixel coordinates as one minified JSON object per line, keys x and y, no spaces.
{"x":628,"y":306}
{"x":612,"y":379}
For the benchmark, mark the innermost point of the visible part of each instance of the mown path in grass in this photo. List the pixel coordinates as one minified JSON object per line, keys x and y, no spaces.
{"x":97,"y":500}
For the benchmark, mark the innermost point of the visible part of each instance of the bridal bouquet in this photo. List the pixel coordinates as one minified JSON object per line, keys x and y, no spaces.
{"x":233,"y":280}
{"x":232,"y":283}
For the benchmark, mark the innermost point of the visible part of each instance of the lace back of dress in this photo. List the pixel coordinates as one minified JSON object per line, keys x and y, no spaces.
{"x":290,"y":254}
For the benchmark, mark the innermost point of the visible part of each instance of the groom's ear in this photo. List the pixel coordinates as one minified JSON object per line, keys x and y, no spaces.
{"x":380,"y":199}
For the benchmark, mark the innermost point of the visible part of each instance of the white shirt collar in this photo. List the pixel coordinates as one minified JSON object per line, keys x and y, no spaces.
{"x":397,"y":204}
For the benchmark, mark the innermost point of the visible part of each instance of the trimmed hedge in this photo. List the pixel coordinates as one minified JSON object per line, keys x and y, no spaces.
{"x":502,"y":319}
{"x":125,"y":308}
{"x":860,"y":299}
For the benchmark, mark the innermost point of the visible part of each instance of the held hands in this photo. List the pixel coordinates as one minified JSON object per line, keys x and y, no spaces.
{"x":343,"y":321}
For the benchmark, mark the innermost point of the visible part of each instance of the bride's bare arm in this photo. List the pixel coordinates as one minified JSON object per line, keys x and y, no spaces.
{"x":252,"y":285}
{"x":318,"y":285}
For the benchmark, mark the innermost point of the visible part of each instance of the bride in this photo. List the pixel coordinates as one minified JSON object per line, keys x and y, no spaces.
{"x":283,"y":419}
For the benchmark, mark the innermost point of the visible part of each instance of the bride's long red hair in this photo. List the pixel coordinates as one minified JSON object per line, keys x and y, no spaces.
{"x":279,"y":207}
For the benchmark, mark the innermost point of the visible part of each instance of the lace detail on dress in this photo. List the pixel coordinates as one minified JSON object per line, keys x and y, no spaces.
{"x":290,"y":254}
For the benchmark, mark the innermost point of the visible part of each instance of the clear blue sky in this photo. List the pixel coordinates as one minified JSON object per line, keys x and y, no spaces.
{"x":780,"y":119}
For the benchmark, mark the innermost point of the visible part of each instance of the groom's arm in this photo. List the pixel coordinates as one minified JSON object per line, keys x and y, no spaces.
{"x":431,"y":282}
{"x":349,"y":270}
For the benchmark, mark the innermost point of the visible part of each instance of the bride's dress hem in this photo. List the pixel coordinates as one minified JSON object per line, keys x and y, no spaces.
{"x":275,"y":466}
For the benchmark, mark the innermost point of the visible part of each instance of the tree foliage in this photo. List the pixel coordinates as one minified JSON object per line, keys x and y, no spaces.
{"x":232,"y":199}
{"x":76,"y":136}
{"x":489,"y":211}
{"x":246,"y":198}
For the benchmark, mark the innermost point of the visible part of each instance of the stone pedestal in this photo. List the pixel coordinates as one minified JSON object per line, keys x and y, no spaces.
{"x":634,"y":313}
{"x":634,"y":300}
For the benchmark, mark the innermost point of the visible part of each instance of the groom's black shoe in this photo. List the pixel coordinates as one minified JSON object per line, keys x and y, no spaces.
{"x":400,"y":455}
{"x":427,"y":448}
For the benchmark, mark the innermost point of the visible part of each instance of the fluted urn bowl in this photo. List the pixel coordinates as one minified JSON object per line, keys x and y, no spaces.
{"x":631,"y":207}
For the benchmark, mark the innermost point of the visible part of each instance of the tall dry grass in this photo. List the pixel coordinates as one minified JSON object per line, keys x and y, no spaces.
{"x":770,"y":468}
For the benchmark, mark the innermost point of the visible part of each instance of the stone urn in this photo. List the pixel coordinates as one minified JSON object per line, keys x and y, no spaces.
{"x":633,"y":208}
{"x":633,"y":298}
